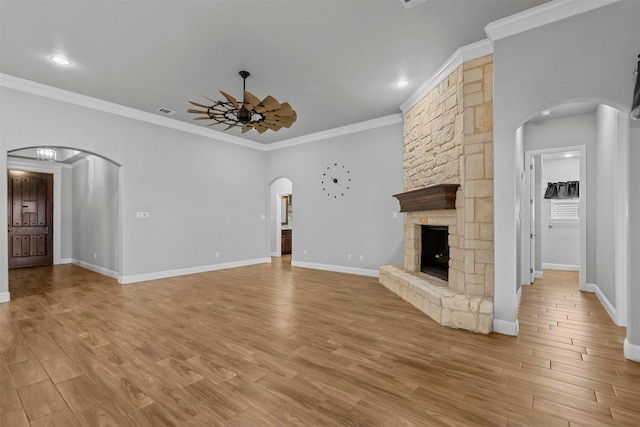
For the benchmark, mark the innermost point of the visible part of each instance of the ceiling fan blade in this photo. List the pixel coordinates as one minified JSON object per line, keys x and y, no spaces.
{"x":285,"y":109}
{"x":231,"y":99}
{"x":267,"y":104}
{"x":260,"y":127}
{"x":202,"y":118}
{"x":212,"y":100}
{"x":247,"y":127}
{"x":198,"y":105}
{"x":274,"y":126}
{"x":191,"y":110}
{"x":251,"y":101}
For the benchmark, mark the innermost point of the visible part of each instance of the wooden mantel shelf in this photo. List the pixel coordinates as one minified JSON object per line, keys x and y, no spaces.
{"x":442,"y":196}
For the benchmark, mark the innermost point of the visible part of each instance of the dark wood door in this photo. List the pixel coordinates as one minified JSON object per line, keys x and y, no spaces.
{"x":30,"y":207}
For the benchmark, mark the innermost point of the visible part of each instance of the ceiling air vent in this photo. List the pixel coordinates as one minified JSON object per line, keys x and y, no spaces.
{"x":410,"y":3}
{"x":166,"y":111}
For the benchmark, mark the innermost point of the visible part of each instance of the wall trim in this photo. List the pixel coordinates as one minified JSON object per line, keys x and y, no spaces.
{"x":631,"y":351}
{"x":611,"y":310}
{"x":66,"y":261}
{"x":538,"y":16}
{"x":590,"y":287}
{"x":191,"y":270}
{"x":538,"y":274}
{"x":4,"y":297}
{"x":339,"y":131}
{"x":28,"y":86}
{"x":336,"y":268}
{"x":506,"y":327}
{"x":566,"y":267}
{"x":95,"y":268}
{"x":461,"y":55}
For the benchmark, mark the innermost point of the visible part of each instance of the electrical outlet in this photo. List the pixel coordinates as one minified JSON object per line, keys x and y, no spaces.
{"x":305,"y":252}
{"x":395,"y":214}
{"x":142,"y":215}
{"x":217,"y":254}
{"x":361,"y":257}
{"x":349,"y":256}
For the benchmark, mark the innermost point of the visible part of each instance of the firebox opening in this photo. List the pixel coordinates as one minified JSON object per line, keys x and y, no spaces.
{"x":435,"y":251}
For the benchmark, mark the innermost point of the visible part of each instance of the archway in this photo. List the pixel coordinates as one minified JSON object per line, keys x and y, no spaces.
{"x":86,"y":208}
{"x":599,"y":134}
{"x":281,"y":208}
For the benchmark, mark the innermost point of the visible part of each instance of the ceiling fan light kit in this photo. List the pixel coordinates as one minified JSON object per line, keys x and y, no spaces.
{"x":250,"y":113}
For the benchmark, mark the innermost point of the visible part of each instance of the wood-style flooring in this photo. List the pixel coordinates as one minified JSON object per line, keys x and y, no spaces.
{"x":274,"y":345}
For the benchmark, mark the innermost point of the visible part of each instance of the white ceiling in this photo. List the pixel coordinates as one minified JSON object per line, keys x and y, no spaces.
{"x":334,"y":61}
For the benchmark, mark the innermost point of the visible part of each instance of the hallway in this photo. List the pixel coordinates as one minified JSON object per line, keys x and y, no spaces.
{"x":275,"y":345}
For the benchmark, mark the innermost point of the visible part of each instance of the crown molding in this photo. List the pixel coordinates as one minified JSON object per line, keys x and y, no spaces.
{"x":339,"y":131}
{"x":28,"y":86}
{"x":461,"y":55}
{"x":538,"y":16}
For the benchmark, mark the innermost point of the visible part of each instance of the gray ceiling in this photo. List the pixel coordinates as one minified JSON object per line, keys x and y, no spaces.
{"x":334,"y":61}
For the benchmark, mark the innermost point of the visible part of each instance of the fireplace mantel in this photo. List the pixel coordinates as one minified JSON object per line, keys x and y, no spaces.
{"x":442,"y":196}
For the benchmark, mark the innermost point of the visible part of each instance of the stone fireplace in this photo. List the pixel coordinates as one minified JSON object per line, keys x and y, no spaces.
{"x":448,"y":183}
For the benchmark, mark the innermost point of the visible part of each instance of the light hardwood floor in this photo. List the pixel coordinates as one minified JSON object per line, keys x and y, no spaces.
{"x":272,"y":345}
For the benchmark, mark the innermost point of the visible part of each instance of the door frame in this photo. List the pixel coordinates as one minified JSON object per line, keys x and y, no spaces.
{"x":582,"y":149}
{"x":54,"y":169}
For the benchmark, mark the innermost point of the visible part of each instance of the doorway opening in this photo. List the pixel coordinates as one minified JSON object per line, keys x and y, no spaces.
{"x":582,"y":144}
{"x":85,"y":208}
{"x":282,"y":217}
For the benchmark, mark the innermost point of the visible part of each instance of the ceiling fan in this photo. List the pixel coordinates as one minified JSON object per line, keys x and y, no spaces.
{"x":250,"y":113}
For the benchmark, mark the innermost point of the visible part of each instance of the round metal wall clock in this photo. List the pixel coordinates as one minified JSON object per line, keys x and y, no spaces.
{"x":336,"y":180}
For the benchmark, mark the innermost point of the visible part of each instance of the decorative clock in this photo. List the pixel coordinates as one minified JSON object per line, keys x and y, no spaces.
{"x":336,"y":180}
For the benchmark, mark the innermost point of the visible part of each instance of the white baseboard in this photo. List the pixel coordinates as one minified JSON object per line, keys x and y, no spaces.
{"x":65,"y":261}
{"x":631,"y":351}
{"x":192,"y":270}
{"x":275,"y":254}
{"x":5,"y":297}
{"x":506,"y":327}
{"x":96,"y":268}
{"x":336,"y":268}
{"x":568,"y":267}
{"x":609,"y":308}
{"x":538,"y":274}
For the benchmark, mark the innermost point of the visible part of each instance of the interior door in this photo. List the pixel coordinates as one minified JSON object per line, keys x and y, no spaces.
{"x":532,"y":207}
{"x":30,"y":219}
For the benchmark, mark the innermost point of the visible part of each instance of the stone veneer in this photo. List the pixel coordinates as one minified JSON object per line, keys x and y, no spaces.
{"x":448,"y":139}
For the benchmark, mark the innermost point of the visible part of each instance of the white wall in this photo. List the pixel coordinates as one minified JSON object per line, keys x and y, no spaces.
{"x":204,"y":196}
{"x":560,"y":246}
{"x":605,"y":201}
{"x":586,"y":57}
{"x":95,"y":212}
{"x":633,"y":331}
{"x":361,"y":222}
{"x":66,"y":238}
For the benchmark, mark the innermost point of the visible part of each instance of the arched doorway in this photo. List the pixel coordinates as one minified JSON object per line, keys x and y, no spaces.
{"x":281,"y":206}
{"x":86,"y":207}
{"x":597,"y":135}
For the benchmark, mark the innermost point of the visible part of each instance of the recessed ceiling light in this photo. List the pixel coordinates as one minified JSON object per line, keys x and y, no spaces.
{"x":61,"y":60}
{"x":402,"y":83}
{"x":545,"y":112}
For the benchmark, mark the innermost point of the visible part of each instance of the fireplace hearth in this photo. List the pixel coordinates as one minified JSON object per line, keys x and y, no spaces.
{"x":435,"y":251}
